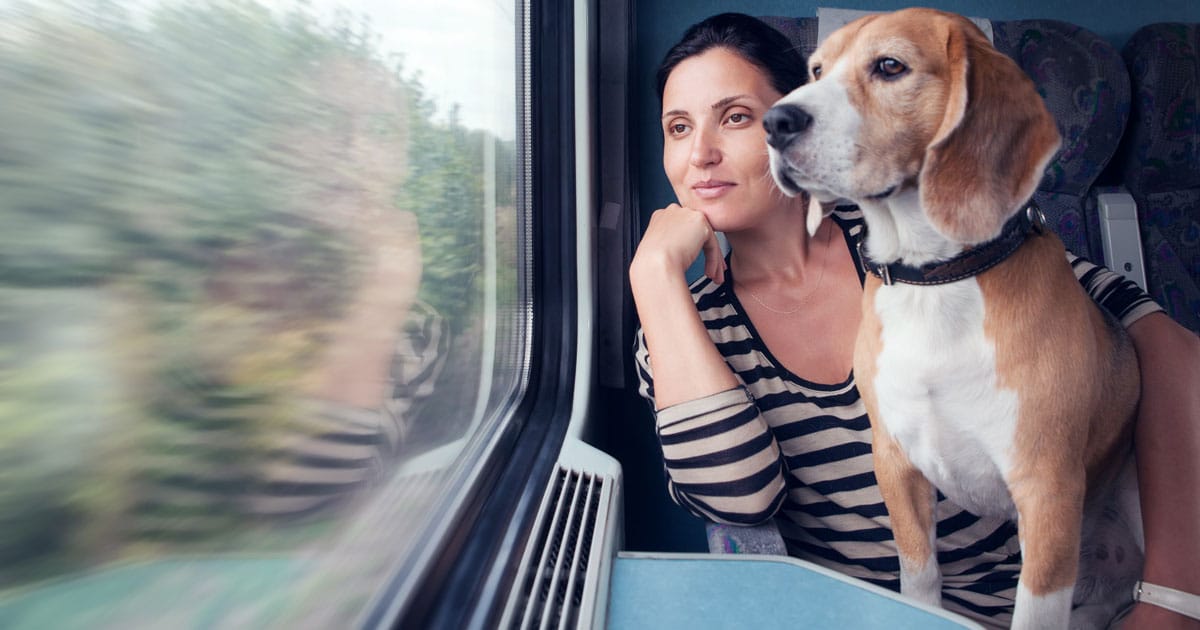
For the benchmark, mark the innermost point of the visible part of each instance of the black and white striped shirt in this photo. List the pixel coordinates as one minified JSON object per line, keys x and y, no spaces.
{"x":800,"y":452}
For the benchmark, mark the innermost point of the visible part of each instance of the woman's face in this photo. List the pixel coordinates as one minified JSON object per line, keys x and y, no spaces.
{"x":714,"y":145}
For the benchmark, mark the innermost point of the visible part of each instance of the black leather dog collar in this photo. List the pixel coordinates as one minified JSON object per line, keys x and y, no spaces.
{"x":971,"y":262}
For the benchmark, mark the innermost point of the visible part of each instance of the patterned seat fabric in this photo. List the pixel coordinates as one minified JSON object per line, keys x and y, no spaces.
{"x":801,"y":31}
{"x":1160,"y":162}
{"x":1085,"y":86}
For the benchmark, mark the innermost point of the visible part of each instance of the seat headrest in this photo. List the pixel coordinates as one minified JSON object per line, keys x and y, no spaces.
{"x":1162,"y":151}
{"x":1085,"y":86}
{"x":831,"y":19}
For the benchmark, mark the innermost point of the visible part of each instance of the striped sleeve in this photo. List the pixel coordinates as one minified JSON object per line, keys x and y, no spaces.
{"x":1121,"y":297}
{"x":641,"y":357}
{"x":722,"y":461}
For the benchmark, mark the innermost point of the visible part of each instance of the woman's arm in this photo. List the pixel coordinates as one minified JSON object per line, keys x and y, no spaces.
{"x":687,"y":365}
{"x":721,"y":459}
{"x":1113,"y":292}
{"x":1167,"y":443}
{"x":1166,"y":438}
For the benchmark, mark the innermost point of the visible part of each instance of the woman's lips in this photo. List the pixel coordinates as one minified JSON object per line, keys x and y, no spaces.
{"x":711,"y":189}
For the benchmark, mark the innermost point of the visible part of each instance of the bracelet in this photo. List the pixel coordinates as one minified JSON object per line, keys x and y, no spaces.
{"x":1182,"y":602}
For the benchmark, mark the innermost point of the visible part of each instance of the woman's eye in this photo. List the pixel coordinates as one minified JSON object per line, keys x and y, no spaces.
{"x":738,"y":118}
{"x":890,"y":68}
{"x":677,"y":129}
{"x":816,"y":72}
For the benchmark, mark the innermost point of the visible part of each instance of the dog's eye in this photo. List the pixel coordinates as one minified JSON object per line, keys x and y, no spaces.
{"x":816,"y":72}
{"x":889,"y":68}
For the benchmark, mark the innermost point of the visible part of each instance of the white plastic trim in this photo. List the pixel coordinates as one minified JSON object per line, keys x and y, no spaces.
{"x":1121,"y":237}
{"x":521,"y":609}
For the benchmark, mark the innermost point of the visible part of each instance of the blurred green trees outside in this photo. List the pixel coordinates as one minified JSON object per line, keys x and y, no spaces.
{"x":179,"y":187}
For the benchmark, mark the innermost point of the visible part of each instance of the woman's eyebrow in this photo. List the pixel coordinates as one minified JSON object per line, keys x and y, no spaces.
{"x":725,"y":102}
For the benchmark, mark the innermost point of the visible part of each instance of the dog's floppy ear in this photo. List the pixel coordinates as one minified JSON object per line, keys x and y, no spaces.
{"x":993,"y":145}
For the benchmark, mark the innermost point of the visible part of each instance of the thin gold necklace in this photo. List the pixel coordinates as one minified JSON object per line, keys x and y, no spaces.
{"x":804,"y":299}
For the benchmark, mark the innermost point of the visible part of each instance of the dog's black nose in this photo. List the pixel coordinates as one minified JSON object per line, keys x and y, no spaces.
{"x":783,"y":123}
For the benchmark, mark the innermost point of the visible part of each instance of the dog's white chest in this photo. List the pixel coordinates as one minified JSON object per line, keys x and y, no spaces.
{"x":938,"y":392}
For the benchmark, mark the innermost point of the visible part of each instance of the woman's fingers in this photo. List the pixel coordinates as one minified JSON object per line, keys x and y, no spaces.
{"x":680,"y":234}
{"x":714,"y":260}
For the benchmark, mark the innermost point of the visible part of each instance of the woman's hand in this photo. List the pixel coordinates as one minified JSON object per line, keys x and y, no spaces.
{"x":687,"y":365}
{"x":675,"y":236}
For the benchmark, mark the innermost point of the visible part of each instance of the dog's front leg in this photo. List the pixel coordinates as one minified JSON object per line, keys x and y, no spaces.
{"x":1049,"y":522}
{"x":910,"y":500}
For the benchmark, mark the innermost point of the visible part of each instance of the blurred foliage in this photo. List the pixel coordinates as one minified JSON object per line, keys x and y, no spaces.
{"x":179,"y":193}
{"x":447,"y":206}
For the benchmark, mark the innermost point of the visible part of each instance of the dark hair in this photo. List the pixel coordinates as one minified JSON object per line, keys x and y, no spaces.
{"x":748,"y":37}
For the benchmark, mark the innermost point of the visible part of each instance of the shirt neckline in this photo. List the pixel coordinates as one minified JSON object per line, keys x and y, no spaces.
{"x":757,"y":340}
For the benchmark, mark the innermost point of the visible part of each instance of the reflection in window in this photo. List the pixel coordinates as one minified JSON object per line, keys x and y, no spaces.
{"x":262,"y":300}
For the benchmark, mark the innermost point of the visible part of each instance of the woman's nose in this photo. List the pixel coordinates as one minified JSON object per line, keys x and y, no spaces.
{"x":705,"y":151}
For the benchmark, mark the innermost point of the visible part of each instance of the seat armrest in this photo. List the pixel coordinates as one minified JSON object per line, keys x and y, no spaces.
{"x":1120,"y":236}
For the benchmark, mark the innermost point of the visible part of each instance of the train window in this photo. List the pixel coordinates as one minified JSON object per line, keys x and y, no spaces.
{"x":264,"y":300}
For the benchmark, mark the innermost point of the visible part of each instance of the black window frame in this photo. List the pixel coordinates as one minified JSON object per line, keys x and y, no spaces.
{"x":469,"y":582}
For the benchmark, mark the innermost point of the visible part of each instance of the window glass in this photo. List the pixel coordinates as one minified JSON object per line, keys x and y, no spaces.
{"x":262,"y":300}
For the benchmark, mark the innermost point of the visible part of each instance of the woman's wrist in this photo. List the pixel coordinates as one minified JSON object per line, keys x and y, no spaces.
{"x":653,"y":271}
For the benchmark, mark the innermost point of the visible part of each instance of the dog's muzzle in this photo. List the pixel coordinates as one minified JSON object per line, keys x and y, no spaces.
{"x":784,"y":123}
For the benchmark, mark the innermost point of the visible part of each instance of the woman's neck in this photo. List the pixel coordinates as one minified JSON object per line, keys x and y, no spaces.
{"x":778,"y":253}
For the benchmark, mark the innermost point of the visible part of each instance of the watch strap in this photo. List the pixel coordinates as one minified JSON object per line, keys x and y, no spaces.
{"x":1182,"y":602}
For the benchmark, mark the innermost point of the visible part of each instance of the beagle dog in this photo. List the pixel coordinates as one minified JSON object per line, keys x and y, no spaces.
{"x":987,"y":371}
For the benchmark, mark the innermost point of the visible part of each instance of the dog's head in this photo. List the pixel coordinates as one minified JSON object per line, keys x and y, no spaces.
{"x":916,"y":98}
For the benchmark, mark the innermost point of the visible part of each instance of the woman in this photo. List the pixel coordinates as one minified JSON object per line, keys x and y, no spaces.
{"x":749,"y":368}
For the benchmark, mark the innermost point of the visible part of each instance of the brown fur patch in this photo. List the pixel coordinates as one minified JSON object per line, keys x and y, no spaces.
{"x":990,"y":154}
{"x":1078,"y":390}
